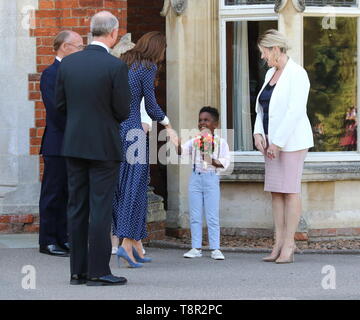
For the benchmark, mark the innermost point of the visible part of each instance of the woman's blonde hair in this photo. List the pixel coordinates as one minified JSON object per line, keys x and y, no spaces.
{"x":273,"y":38}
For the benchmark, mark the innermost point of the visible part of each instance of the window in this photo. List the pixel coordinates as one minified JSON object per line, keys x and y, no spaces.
{"x":247,"y":2}
{"x":327,"y":47}
{"x":333,"y":3}
{"x":314,"y":3}
{"x":330,"y":57}
{"x":245,"y":75}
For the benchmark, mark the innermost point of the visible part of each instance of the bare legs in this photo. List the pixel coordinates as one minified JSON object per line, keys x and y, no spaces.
{"x":286,"y":209}
{"x":292,"y":218}
{"x":128,"y":245}
{"x":278,"y":210}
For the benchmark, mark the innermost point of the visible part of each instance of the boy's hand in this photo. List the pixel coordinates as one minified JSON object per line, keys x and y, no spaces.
{"x":206,"y":157}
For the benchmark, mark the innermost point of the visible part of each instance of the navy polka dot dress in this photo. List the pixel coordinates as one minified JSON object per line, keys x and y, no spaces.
{"x":130,"y":200}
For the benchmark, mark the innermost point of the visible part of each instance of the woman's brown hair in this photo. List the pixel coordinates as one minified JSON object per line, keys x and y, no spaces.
{"x":149,"y":49}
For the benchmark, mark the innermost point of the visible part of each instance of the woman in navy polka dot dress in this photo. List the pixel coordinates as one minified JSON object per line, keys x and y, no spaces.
{"x":130,"y":201}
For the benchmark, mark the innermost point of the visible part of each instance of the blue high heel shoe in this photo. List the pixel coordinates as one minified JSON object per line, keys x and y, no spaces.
{"x":139,"y":259}
{"x":121,"y":253}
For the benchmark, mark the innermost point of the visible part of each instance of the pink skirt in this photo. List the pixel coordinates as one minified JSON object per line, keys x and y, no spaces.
{"x":283,"y":174}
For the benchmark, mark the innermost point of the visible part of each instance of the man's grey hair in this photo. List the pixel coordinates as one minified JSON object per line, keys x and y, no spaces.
{"x":103,"y":23}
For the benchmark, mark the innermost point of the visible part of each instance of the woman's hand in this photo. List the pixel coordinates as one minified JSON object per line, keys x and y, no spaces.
{"x":260,"y":143}
{"x":146,"y":127}
{"x":173,"y":135}
{"x":273,"y":151}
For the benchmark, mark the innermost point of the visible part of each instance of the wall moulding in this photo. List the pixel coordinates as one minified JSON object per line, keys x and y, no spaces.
{"x":313,"y":171}
{"x":179,"y":7}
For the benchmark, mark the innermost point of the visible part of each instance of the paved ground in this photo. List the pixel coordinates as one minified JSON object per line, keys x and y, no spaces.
{"x":240,"y":276}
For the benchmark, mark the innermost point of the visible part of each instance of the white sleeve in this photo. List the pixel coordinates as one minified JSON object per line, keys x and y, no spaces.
{"x":259,"y":128}
{"x":224,"y":154}
{"x":165,"y":122}
{"x":187,"y":147}
{"x":298,"y":96}
{"x":144,"y":116}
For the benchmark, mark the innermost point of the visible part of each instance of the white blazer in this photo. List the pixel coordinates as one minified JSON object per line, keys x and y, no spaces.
{"x":289,"y":125}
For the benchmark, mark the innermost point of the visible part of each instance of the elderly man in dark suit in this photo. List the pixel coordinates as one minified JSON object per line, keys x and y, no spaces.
{"x":93,"y":90}
{"x":53,"y":237}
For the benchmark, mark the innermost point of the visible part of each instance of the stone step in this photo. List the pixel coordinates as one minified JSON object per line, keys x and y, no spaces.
{"x":156,"y":211}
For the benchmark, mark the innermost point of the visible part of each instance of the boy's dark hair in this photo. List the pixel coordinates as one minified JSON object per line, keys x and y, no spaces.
{"x":214,"y":113}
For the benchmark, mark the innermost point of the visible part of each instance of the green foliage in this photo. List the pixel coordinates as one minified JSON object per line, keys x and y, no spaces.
{"x":330,"y":59}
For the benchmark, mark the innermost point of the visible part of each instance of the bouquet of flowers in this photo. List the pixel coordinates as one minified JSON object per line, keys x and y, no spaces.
{"x":205,"y":143}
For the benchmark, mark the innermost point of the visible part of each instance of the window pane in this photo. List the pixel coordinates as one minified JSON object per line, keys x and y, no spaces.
{"x":317,"y":3}
{"x":247,"y":2}
{"x":330,"y":57}
{"x":245,"y":76}
{"x":334,"y":3}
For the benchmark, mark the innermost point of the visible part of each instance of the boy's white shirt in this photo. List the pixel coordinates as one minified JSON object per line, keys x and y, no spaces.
{"x":221,"y":154}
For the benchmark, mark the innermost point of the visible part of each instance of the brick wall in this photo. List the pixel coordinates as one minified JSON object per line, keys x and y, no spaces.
{"x":56,"y":15}
{"x":52,"y":17}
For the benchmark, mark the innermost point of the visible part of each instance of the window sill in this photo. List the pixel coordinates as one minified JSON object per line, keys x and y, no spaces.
{"x":313,"y":171}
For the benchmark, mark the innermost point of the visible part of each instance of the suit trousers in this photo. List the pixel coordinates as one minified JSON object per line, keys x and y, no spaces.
{"x":53,"y":202}
{"x":91,"y":192}
{"x":204,"y":196}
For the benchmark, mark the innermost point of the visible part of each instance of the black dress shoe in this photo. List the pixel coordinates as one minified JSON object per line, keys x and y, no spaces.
{"x":78,"y":278}
{"x":109,"y":280}
{"x":65,"y":246}
{"x":54,"y":250}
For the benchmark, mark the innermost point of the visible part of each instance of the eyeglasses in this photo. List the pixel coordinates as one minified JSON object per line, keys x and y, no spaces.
{"x":80,"y":47}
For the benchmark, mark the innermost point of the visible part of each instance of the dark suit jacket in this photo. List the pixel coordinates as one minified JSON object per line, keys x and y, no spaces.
{"x":55,"y":121}
{"x":93,"y":90}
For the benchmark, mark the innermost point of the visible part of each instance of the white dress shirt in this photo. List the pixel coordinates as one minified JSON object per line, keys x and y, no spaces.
{"x":221,"y":153}
{"x":58,"y":58}
{"x":98,"y":43}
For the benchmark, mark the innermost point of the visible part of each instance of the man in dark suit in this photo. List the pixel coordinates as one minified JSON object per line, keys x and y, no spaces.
{"x":93,"y":90}
{"x":53,"y":237}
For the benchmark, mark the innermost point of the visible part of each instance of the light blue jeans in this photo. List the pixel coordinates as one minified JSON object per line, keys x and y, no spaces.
{"x":204,"y":196}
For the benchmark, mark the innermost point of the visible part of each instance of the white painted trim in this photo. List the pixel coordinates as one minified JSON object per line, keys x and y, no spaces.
{"x":223,"y":83}
{"x":337,"y":11}
{"x":248,"y":12}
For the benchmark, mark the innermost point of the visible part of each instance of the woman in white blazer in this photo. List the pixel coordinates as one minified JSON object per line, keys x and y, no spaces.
{"x":283,"y":135}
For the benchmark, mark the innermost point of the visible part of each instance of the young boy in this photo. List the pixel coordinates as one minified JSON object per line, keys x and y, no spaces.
{"x":209,"y":155}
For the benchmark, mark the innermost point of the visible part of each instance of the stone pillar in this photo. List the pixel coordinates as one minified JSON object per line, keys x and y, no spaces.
{"x":192,"y":82}
{"x":19,"y":171}
{"x":291,"y":25}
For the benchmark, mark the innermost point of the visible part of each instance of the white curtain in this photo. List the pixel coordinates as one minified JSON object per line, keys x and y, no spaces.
{"x":241,"y":89}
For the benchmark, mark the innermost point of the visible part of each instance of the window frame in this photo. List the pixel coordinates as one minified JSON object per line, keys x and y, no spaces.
{"x":266,"y":13}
